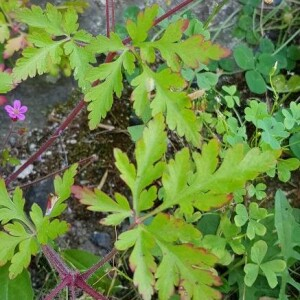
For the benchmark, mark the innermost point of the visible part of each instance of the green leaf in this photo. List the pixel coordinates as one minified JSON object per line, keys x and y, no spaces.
{"x":45,"y":229}
{"x":103,"y":44}
{"x":258,"y":191}
{"x":17,"y":236}
{"x":177,"y":105}
{"x":70,"y":24}
{"x":255,"y":82}
{"x":6,"y":82}
{"x":257,"y":213}
{"x":292,"y":116}
{"x":207,"y":80}
{"x":217,"y":246}
{"x":188,"y":266}
{"x":62,"y":186}
{"x":287,"y":227}
{"x":266,"y":45}
{"x":207,"y":182}
{"x":251,"y":271}
{"x":273,"y":132}
{"x":294,"y":143}
{"x":244,"y":57}
{"x":101,"y":96}
{"x":49,"y":20}
{"x":98,"y":201}
{"x":4,"y":29}
{"x":270,"y":269}
{"x":285,"y":166}
{"x":175,"y":178}
{"x":256,"y":111}
{"x":17,"y":288}
{"x":138,"y":31}
{"x":79,"y":58}
{"x":136,"y":132}
{"x":127,"y":169}
{"x":231,"y":231}
{"x":148,"y":152}
{"x":12,"y":209}
{"x":175,"y":50}
{"x":241,"y":215}
{"x":143,"y":264}
{"x":265,"y":63}
{"x":38,"y":60}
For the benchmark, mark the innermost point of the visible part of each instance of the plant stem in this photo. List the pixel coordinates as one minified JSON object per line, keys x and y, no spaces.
{"x":85,"y":162}
{"x":224,"y":24}
{"x":286,"y":42}
{"x":214,"y":13}
{"x":57,"y":289}
{"x":55,"y":261}
{"x":110,"y":16}
{"x":98,"y":265}
{"x":89,"y":290}
{"x":11,"y":128}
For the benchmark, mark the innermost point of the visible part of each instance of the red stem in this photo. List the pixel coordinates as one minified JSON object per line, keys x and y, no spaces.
{"x":107,"y":18}
{"x":55,"y":261}
{"x":80,"y":282}
{"x":65,"y":282}
{"x":85,"y":275}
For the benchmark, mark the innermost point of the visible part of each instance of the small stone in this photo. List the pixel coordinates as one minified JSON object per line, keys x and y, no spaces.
{"x":101,"y":239}
{"x":26,"y":172}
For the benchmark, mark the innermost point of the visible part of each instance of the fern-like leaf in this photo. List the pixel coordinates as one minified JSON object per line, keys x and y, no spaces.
{"x":37,"y":60}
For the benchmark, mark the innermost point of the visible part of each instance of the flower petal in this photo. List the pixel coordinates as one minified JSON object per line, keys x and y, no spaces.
{"x":21,"y":117}
{"x":9,"y":108}
{"x":12,"y":115}
{"x":17,"y":104}
{"x":23,"y":109}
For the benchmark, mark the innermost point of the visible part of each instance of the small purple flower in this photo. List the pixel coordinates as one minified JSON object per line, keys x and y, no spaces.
{"x":17,"y":111}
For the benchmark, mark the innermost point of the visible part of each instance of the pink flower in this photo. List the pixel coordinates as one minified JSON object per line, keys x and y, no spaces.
{"x":16,"y":112}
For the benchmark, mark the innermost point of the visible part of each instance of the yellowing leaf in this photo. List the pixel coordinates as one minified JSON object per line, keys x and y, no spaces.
{"x":143,"y":264}
{"x":13,"y":45}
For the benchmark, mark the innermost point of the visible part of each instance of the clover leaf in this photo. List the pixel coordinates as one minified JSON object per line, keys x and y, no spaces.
{"x":269,"y":268}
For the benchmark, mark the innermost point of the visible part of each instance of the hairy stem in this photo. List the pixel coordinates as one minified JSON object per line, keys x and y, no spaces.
{"x":58,"y":288}
{"x":55,"y":261}
{"x":99,"y":264}
{"x":85,"y":162}
{"x":80,"y":282}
